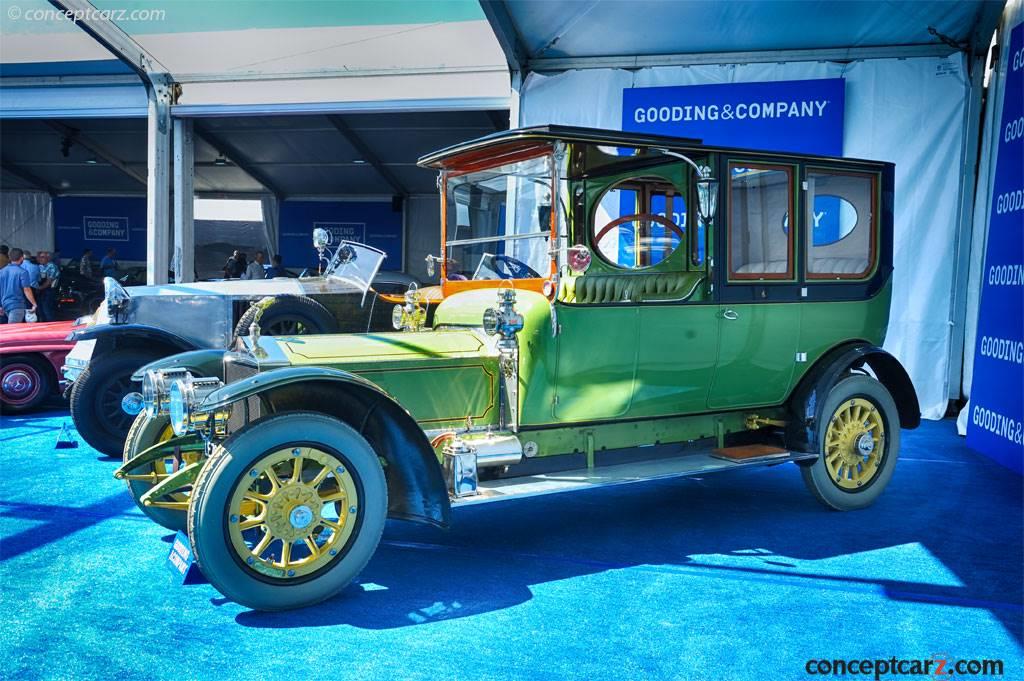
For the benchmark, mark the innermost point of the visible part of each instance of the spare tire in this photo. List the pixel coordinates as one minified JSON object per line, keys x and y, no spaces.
{"x":288,"y":316}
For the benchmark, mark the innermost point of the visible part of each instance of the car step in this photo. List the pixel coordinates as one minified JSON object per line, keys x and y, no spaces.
{"x":697,"y":463}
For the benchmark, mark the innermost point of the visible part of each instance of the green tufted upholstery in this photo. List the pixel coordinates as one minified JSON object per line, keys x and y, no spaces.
{"x":618,"y":288}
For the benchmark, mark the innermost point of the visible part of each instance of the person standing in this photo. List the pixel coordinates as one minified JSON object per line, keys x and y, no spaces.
{"x":49,"y":277}
{"x":16,"y":293}
{"x":276,"y":269}
{"x":109,"y":264}
{"x":4,"y":255}
{"x":255,"y":269}
{"x":85,"y":264}
{"x":30,"y":266}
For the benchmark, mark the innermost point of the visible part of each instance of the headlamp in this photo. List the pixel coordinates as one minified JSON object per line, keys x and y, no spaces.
{"x":116,"y":298}
{"x":184,"y":397}
{"x":156,"y":386}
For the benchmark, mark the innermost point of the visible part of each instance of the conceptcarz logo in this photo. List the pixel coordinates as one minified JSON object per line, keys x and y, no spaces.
{"x":812,"y":108}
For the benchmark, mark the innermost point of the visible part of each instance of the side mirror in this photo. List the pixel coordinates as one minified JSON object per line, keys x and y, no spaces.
{"x":707,"y":198}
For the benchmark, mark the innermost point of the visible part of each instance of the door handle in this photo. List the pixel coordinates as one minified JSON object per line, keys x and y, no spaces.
{"x":730,"y":314}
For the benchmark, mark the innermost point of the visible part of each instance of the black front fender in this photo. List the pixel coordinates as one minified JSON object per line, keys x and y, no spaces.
{"x":201,"y":362}
{"x":116,"y":334}
{"x":809,"y":397}
{"x":416,"y":485}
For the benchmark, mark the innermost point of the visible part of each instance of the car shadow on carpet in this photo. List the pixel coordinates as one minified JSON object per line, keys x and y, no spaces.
{"x":755,"y":528}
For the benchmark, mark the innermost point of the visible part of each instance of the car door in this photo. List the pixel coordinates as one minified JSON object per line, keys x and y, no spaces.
{"x":759,"y":315}
{"x":638,"y":337}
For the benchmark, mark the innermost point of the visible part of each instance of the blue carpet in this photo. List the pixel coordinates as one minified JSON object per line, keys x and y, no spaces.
{"x":737,"y":576}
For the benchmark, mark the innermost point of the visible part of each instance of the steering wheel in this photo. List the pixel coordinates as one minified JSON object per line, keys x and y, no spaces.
{"x":514,"y":268}
{"x":650,"y":217}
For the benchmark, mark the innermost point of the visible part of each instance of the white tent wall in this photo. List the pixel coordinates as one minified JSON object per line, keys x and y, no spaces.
{"x":908,"y":111}
{"x":26,"y":220}
{"x":1013,"y":14}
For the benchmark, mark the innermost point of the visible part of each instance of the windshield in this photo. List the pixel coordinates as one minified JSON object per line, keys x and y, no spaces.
{"x":499,"y":222}
{"x":357,"y":263}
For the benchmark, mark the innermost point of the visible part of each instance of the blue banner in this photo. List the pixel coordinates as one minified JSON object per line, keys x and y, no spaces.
{"x":375,"y":223}
{"x":104,"y":228}
{"x":99,"y":223}
{"x":803,"y":116}
{"x":995,"y":426}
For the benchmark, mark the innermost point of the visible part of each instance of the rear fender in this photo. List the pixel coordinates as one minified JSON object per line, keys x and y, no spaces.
{"x":809,"y":397}
{"x":416,"y":486}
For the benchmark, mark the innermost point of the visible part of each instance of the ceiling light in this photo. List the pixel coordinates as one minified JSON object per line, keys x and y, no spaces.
{"x":220,"y":161}
{"x":358,"y":161}
{"x":91,"y":161}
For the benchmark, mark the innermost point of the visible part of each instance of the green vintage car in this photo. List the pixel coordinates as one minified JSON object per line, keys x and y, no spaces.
{"x":603,"y":292}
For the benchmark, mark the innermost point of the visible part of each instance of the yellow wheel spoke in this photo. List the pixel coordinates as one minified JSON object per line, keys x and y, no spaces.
{"x":314,"y":550}
{"x":331,"y":524}
{"x":333,"y":496}
{"x":251,"y":523}
{"x":297,"y":469}
{"x":286,"y":553}
{"x":275,"y":482}
{"x":320,"y":477}
{"x":263,"y":544}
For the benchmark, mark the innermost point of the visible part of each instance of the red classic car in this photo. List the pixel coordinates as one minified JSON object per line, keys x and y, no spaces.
{"x":31,"y":356}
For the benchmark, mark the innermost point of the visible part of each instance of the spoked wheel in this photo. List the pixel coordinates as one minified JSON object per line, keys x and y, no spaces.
{"x":858,"y":445}
{"x":25,"y":383}
{"x":288,"y":511}
{"x":288,"y":316}
{"x":170,"y":510}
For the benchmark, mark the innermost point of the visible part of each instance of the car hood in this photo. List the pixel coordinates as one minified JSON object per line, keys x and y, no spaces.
{"x":366,"y":350}
{"x":40,"y":332}
{"x":245,"y":288}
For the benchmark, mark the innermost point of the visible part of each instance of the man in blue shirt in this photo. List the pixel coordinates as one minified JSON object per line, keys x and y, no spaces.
{"x":109,"y":263}
{"x":16,"y":288}
{"x":32,"y":268}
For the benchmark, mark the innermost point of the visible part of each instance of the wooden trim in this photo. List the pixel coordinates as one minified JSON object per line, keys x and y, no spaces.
{"x":790,"y":273}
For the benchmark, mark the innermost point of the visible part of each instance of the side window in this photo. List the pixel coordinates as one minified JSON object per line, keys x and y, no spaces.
{"x":841,"y":211}
{"x":639,"y":223}
{"x":760,"y":198}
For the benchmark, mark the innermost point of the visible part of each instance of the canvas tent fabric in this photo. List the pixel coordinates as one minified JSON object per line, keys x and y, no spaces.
{"x":888,"y":102}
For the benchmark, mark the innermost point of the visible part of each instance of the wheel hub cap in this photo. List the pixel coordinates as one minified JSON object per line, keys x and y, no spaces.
{"x":18,"y":383}
{"x":865,"y":444}
{"x":290,"y":512}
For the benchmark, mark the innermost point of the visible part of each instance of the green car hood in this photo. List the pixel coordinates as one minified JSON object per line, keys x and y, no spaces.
{"x":440,"y":377}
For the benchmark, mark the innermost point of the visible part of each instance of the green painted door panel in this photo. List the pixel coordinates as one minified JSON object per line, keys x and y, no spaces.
{"x":443,"y":392}
{"x":676,"y":359}
{"x":596,"y":365}
{"x":756,"y":354}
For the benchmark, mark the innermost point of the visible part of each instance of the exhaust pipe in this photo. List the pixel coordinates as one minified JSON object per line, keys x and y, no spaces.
{"x":463,"y":456}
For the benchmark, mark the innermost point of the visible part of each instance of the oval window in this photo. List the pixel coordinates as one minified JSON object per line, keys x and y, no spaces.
{"x":834,"y":219}
{"x":639,"y":223}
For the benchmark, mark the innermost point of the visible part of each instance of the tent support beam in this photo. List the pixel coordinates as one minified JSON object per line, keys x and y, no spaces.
{"x":368,"y":155}
{"x":235,"y":155}
{"x":95,"y":147}
{"x":184,"y":190}
{"x":27,"y":176}
{"x":162,"y":91}
{"x":766,"y":56}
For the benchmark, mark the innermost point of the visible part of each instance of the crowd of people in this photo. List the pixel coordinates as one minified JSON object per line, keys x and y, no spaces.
{"x":239,"y":267}
{"x":29,"y":283}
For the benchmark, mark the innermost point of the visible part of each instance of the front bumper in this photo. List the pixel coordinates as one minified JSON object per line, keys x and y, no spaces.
{"x":77,"y":360}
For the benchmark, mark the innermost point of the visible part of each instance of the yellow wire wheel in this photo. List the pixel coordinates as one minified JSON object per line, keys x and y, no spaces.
{"x":854,"y":443}
{"x":293,"y":512}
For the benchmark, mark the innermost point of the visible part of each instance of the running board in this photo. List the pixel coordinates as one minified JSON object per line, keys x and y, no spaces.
{"x":698,"y":463}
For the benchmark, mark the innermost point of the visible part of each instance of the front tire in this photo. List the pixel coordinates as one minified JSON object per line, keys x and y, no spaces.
{"x":289,"y":316}
{"x":96,"y":399}
{"x":287,"y":511}
{"x":858,"y":445}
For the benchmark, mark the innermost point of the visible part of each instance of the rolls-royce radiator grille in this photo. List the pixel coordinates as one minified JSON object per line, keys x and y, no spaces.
{"x":248,"y":409}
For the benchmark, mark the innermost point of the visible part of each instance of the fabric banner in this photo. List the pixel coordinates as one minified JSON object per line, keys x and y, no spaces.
{"x":804,"y":116}
{"x":996,"y":418}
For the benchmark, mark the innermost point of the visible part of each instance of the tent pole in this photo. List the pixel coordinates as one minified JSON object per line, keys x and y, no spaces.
{"x":184,"y":225}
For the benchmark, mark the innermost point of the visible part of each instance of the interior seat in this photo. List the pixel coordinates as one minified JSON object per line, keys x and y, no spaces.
{"x":621,"y":288}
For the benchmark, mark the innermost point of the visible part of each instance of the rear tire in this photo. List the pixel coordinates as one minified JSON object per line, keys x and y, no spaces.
{"x":289,"y":316}
{"x":839,"y":477}
{"x":218,"y":516}
{"x":96,"y":399}
{"x":25,"y":382}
